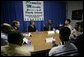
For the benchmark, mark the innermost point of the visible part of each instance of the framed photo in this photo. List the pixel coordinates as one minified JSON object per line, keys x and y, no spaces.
{"x":77,"y":14}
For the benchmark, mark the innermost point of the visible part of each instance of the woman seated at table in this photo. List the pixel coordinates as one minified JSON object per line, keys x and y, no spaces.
{"x":32,"y":27}
{"x":15,"y":47}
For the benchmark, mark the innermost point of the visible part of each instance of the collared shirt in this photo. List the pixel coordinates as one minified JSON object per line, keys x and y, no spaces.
{"x":62,"y":49}
{"x":69,"y":26}
{"x":4,"y":38}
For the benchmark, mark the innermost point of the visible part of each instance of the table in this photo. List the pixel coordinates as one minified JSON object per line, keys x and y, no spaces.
{"x":38,"y":40}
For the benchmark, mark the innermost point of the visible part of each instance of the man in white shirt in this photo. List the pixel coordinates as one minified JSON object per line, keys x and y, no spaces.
{"x":66,"y":49}
{"x":67,"y":24}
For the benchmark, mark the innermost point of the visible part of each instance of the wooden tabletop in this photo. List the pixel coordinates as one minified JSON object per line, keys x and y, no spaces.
{"x":38,"y":40}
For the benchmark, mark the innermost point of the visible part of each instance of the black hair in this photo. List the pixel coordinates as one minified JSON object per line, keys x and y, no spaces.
{"x":14,"y":22}
{"x":15,"y":37}
{"x":65,"y":33}
{"x":68,"y":20}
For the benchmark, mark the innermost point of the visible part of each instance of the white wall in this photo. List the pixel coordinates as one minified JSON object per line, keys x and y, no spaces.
{"x":73,"y":5}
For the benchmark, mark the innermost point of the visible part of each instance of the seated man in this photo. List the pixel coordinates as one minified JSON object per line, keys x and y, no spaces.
{"x":67,"y":24}
{"x":67,"y":48}
{"x":48,"y":26}
{"x":15,"y":47}
{"x":5,"y":29}
{"x":32,"y":27}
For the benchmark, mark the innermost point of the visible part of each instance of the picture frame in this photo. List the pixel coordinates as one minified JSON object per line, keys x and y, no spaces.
{"x":77,"y":14}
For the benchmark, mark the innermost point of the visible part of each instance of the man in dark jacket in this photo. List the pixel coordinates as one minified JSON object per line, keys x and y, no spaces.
{"x":31,"y":27}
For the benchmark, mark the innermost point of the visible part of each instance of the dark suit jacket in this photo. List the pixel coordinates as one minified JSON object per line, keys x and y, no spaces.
{"x":31,"y":29}
{"x":46,"y":28}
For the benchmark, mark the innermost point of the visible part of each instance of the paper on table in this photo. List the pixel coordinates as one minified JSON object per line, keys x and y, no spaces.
{"x":51,"y":32}
{"x":25,"y":40}
{"x":29,"y":45}
{"x":50,"y":40}
{"x":24,"y":34}
{"x":29,"y":34}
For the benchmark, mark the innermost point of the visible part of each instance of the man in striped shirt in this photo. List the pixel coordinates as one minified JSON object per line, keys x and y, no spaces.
{"x":67,"y":48}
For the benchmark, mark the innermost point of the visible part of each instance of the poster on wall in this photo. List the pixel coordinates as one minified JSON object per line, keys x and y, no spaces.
{"x":77,"y":14}
{"x":33,"y":10}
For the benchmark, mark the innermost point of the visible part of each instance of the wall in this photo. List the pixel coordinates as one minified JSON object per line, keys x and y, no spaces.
{"x":54,"y":10}
{"x":73,"y":5}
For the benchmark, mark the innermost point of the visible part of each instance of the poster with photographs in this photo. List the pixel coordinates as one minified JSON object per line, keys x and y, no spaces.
{"x":77,"y":14}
